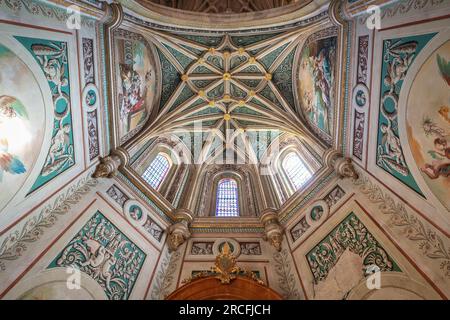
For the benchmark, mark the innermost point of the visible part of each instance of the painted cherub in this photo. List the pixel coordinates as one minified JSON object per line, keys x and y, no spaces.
{"x":440,"y":165}
{"x":10,"y":108}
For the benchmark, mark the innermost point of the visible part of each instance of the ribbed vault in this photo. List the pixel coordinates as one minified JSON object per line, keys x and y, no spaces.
{"x":227,"y":92}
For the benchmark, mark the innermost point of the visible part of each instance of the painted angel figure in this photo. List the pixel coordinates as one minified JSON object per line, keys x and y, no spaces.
{"x":9,"y":162}
{"x":10,"y":108}
{"x":440,"y":165}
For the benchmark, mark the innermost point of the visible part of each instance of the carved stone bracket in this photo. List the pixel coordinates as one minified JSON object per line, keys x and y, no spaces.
{"x":179,"y":231}
{"x":343,"y":166}
{"x":109,"y":165}
{"x":273,"y":232}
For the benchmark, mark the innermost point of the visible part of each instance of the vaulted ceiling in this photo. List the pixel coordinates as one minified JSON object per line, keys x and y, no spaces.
{"x":227,"y":91}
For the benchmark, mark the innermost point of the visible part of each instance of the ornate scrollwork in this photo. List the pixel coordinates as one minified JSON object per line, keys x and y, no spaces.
{"x":225,"y":269}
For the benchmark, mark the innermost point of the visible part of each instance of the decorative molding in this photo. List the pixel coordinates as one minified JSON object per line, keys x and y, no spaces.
{"x":250,"y":248}
{"x":158,"y":26}
{"x":38,"y":8}
{"x":363,"y":57}
{"x":202,"y":248}
{"x":403,"y":7}
{"x":92,"y":130}
{"x":286,"y":279}
{"x":165,"y":275}
{"x":225,"y":269}
{"x":358,"y":134}
{"x":88,"y":60}
{"x":117,"y":195}
{"x":299,"y":229}
{"x":15,"y":243}
{"x":284,"y":217}
{"x":334,"y":196}
{"x":427,"y":241}
{"x":139,"y":216}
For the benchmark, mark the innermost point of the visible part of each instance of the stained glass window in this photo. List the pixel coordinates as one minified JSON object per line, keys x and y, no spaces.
{"x":227,"y":204}
{"x":296,"y":170}
{"x":156,"y":171}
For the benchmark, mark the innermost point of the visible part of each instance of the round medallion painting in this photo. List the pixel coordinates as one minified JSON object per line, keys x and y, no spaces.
{"x":22,"y":123}
{"x":428,"y":122}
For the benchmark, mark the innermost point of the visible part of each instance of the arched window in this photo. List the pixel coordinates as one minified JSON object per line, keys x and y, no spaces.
{"x":227,"y":204}
{"x":157,"y":171}
{"x":296,"y":170}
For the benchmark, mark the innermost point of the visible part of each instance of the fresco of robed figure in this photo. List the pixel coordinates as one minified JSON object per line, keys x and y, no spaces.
{"x":316,"y":78}
{"x":22,"y":119}
{"x":136,"y":85}
{"x":428,"y":122}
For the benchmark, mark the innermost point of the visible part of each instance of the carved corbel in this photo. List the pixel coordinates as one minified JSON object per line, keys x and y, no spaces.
{"x":109,"y":165}
{"x":343,"y":166}
{"x":273,"y":231}
{"x":179,"y":231}
{"x":345,"y":169}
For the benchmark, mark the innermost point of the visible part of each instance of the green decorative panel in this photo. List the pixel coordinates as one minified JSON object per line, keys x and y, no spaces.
{"x":251,"y":83}
{"x":244,"y":41}
{"x":251,"y":69}
{"x":207,"y":273}
{"x":236,"y":61}
{"x":282,"y":78}
{"x":350,"y":234}
{"x":184,"y":60}
{"x":268,"y":59}
{"x":237,"y":92}
{"x":207,"y":110}
{"x":216,"y":62}
{"x":195,"y":104}
{"x":269,"y":95}
{"x":205,"y":40}
{"x":185,"y":94}
{"x":52,"y":57}
{"x":258,"y":103}
{"x":202,"y":83}
{"x":201,"y":70}
{"x":216,"y":92}
{"x":191,"y":49}
{"x":104,"y":253}
{"x":245,"y":110}
{"x":398,"y":56}
{"x":170,"y":78}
